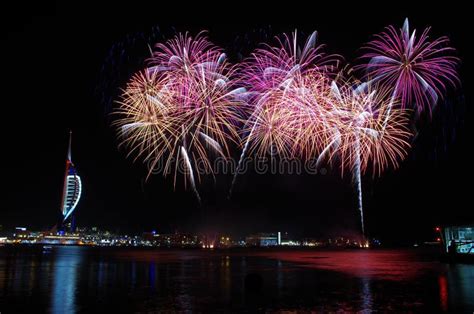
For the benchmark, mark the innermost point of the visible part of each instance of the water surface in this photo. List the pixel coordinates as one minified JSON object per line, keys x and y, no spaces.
{"x":124,"y":280}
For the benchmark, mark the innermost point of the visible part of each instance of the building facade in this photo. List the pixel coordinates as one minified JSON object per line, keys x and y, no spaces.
{"x":460,"y":238}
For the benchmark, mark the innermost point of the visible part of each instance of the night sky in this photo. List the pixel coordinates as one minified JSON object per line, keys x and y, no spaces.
{"x":61,"y":69}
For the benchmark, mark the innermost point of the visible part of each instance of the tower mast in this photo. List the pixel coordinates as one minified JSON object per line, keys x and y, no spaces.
{"x":69,"y":147}
{"x":68,"y":162}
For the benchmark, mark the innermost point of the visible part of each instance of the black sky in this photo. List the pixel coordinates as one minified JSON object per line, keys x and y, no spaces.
{"x":56,"y":72}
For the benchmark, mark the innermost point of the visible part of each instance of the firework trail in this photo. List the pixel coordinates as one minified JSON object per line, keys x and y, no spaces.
{"x":358,"y":183}
{"x":189,"y":168}
{"x":239,"y":164}
{"x":418,"y":69}
{"x":184,"y":106}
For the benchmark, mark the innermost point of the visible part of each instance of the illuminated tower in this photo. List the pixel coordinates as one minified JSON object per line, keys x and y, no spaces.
{"x":71,"y":191}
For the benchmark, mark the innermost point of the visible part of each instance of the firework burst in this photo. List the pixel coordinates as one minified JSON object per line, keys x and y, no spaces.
{"x":185,"y":107}
{"x":296,"y":121}
{"x":276,"y":79}
{"x":418,"y":69}
{"x":368,"y":132}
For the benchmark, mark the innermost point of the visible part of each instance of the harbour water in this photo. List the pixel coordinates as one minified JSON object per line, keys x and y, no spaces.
{"x":127,"y":280}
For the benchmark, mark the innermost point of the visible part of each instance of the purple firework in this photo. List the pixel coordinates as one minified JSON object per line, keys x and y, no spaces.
{"x":275,"y":67}
{"x":418,"y":69}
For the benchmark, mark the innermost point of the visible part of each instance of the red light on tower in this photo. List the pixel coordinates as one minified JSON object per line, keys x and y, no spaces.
{"x":438,"y":239}
{"x":437,"y":229}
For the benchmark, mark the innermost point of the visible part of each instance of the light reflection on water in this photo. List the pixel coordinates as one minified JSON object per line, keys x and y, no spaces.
{"x":65,"y":271}
{"x":78,"y":279}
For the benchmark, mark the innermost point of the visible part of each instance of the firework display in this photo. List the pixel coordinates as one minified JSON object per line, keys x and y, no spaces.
{"x":290,"y":99}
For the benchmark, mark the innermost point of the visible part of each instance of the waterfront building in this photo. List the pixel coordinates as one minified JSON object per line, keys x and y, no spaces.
{"x":262,"y":239}
{"x":460,"y":238}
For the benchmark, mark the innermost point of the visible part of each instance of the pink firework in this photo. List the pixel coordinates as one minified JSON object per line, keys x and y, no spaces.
{"x":279,"y":78}
{"x":184,"y":54}
{"x":418,"y":69}
{"x":275,"y":77}
{"x":273,"y":67}
{"x":290,"y":122}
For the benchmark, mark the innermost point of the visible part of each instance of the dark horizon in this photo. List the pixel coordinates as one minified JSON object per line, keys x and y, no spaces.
{"x":60,"y":76}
